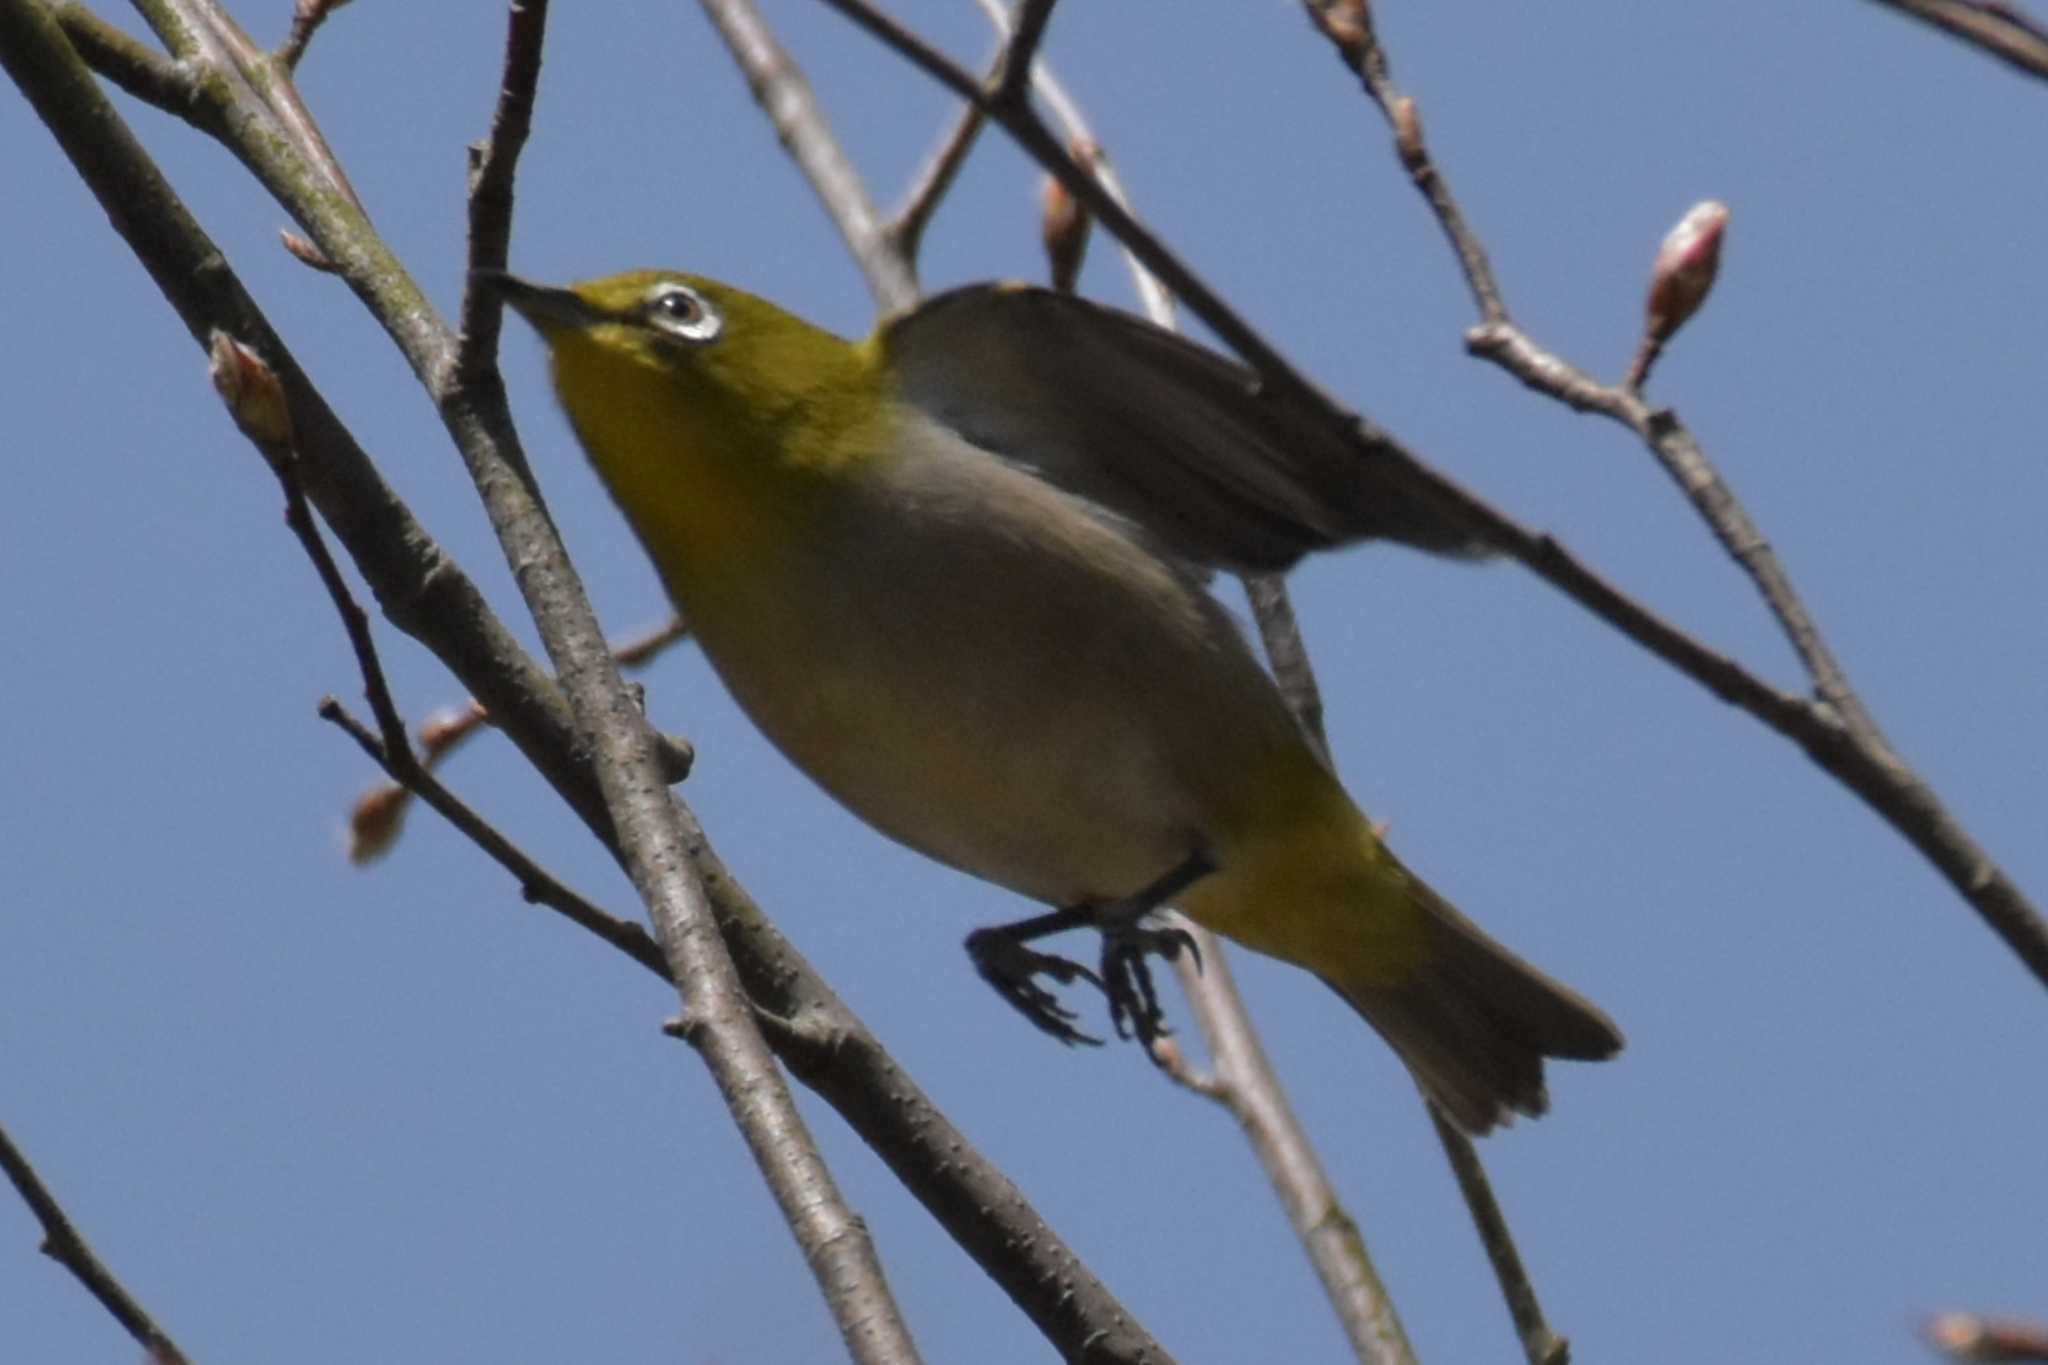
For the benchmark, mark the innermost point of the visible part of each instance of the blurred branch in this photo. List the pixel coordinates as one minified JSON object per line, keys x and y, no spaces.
{"x":1835,"y":728}
{"x":923,"y":197}
{"x":1243,"y":1081}
{"x":1540,"y":1344}
{"x":1993,"y":26}
{"x":424,"y":592}
{"x":61,"y":1240}
{"x":779,"y":87}
{"x":1011,"y":81}
{"x":1968,"y":1337}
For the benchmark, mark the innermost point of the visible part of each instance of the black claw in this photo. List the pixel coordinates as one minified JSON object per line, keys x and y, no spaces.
{"x":1003,"y":960}
{"x":1133,"y":999}
{"x":1010,"y":967}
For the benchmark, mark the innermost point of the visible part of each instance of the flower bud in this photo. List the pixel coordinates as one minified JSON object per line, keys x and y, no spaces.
{"x":1685,"y":268}
{"x":251,"y":390}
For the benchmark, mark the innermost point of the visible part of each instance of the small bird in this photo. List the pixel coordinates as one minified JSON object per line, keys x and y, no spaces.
{"x":957,"y":573}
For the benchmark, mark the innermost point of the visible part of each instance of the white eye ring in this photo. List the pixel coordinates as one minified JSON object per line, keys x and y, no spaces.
{"x":682,"y":312}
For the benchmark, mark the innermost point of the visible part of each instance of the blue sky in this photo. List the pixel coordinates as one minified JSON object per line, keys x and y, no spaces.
{"x":322,"y":1114}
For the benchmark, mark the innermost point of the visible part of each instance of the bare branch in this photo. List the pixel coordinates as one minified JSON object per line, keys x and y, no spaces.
{"x":1994,"y":26}
{"x":307,"y":16}
{"x":1541,"y":1345}
{"x":255,"y":93}
{"x":922,"y":200}
{"x":1349,"y":27}
{"x":149,"y":76}
{"x":493,"y":165}
{"x":1838,"y":732}
{"x":1244,"y":1082}
{"x":784,"y":94}
{"x":61,"y":1240}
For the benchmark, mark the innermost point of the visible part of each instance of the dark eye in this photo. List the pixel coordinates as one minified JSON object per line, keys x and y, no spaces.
{"x":682,"y":312}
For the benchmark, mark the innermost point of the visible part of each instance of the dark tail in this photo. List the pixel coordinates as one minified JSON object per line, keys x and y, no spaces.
{"x":1474,"y":1023}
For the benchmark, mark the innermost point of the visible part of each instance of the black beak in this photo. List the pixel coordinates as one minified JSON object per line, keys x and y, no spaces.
{"x":543,"y":306}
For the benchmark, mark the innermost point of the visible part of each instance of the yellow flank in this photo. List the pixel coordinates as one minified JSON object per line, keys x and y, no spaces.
{"x":969,"y":650}
{"x":1308,"y":882}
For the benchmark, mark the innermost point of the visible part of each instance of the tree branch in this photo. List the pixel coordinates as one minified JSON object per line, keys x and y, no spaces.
{"x":1837,"y":731}
{"x":61,"y":1240}
{"x":1992,"y":26}
{"x":779,"y":87}
{"x":1243,"y":1081}
{"x":493,"y":165}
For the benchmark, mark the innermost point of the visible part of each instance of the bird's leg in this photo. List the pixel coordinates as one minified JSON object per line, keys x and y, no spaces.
{"x":1001,"y":956}
{"x":1126,"y":979}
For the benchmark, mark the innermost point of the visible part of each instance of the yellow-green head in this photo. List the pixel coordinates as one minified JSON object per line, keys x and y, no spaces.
{"x":717,"y":419}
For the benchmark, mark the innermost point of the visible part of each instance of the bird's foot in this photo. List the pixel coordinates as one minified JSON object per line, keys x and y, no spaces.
{"x":1012,"y":968}
{"x":1127,"y":978}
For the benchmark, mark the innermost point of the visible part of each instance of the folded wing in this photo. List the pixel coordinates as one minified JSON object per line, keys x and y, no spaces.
{"x":1161,"y":431}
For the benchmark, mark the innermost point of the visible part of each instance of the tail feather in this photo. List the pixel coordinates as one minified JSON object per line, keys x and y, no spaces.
{"x":1474,"y":1022}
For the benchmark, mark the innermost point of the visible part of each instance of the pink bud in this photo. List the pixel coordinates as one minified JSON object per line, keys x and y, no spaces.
{"x":1685,"y":268}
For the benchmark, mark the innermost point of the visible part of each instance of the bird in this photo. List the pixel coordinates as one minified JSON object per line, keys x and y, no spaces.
{"x":958,"y":573}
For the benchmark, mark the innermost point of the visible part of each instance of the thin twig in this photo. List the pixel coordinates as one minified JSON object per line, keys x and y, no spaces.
{"x":255,"y":88}
{"x":61,"y":1240}
{"x":1540,"y":1344}
{"x":1154,"y":299}
{"x":779,"y":87}
{"x":1837,"y":731}
{"x":388,"y":746}
{"x":922,"y":199}
{"x":493,"y":166}
{"x":536,"y":883}
{"x":307,"y":16}
{"x":1243,"y":1081}
{"x":1993,"y":26}
{"x":1348,"y":24}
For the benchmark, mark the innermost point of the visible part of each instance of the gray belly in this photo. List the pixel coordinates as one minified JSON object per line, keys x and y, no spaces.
{"x":1002,"y":683}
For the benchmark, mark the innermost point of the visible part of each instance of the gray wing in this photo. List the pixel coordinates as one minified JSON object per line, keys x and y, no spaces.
{"x":1161,"y":431}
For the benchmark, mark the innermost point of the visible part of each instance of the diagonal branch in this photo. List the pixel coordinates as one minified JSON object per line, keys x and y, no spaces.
{"x":1836,"y":730}
{"x":1993,"y":26}
{"x":779,"y":87}
{"x":61,"y":1240}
